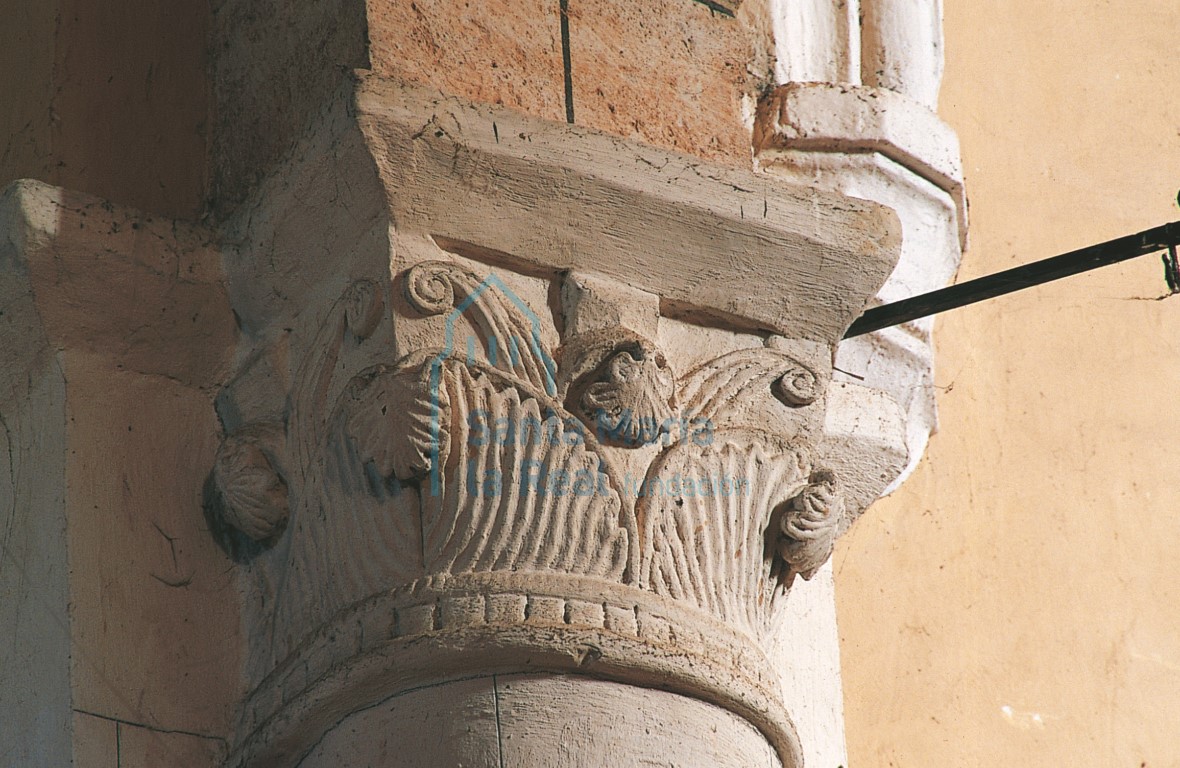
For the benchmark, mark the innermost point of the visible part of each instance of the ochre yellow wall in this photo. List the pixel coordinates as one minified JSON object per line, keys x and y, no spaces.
{"x":1018,"y":601}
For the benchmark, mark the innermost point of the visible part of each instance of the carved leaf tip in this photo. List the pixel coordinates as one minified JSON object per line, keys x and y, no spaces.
{"x":430,"y":288}
{"x":797,"y":387}
{"x":388,"y":416}
{"x":362,"y":308}
{"x":809,"y":526}
{"x":253,"y":492}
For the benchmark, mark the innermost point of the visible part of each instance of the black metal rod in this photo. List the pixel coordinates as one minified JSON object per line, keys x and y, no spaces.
{"x":567,"y":59}
{"x":1018,"y":278}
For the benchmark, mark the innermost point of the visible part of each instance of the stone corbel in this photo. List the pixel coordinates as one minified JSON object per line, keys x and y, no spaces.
{"x":559,"y":403}
{"x":855,"y":114}
{"x":858,"y":119}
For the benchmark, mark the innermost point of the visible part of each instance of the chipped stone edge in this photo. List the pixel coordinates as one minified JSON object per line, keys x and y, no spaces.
{"x":828,"y":117}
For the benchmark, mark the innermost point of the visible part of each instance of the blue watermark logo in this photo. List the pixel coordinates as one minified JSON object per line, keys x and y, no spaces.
{"x":513,"y":348}
{"x":553,"y":428}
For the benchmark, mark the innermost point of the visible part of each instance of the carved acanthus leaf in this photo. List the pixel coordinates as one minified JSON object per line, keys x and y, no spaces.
{"x":707,"y":510}
{"x":523,"y":488}
{"x":714,"y":390}
{"x":392,"y":417}
{"x":508,"y":329}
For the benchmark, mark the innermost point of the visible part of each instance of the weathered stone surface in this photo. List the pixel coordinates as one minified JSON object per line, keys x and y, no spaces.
{"x":34,"y":570}
{"x":816,"y":41}
{"x":543,"y":720}
{"x":894,"y":45}
{"x":363,"y":568}
{"x":145,"y":572}
{"x":569,"y":722}
{"x":901,"y":47}
{"x":108,"y":100}
{"x":806,"y":651}
{"x":130,"y":107}
{"x":672,"y":73}
{"x":146,"y":748}
{"x":447,"y":724}
{"x":272,"y":72}
{"x":677,"y":75}
{"x":25,"y":151}
{"x":495,"y":52}
{"x":850,"y":120}
{"x":96,"y":742}
{"x":879,"y":145}
{"x":143,"y":292}
{"x":697,"y":236}
{"x":101,"y":541}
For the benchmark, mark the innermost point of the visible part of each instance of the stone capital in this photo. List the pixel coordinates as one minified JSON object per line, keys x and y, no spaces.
{"x":515,"y":396}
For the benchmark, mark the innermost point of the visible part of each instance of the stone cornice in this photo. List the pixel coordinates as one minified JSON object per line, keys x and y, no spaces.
{"x":699,"y":236}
